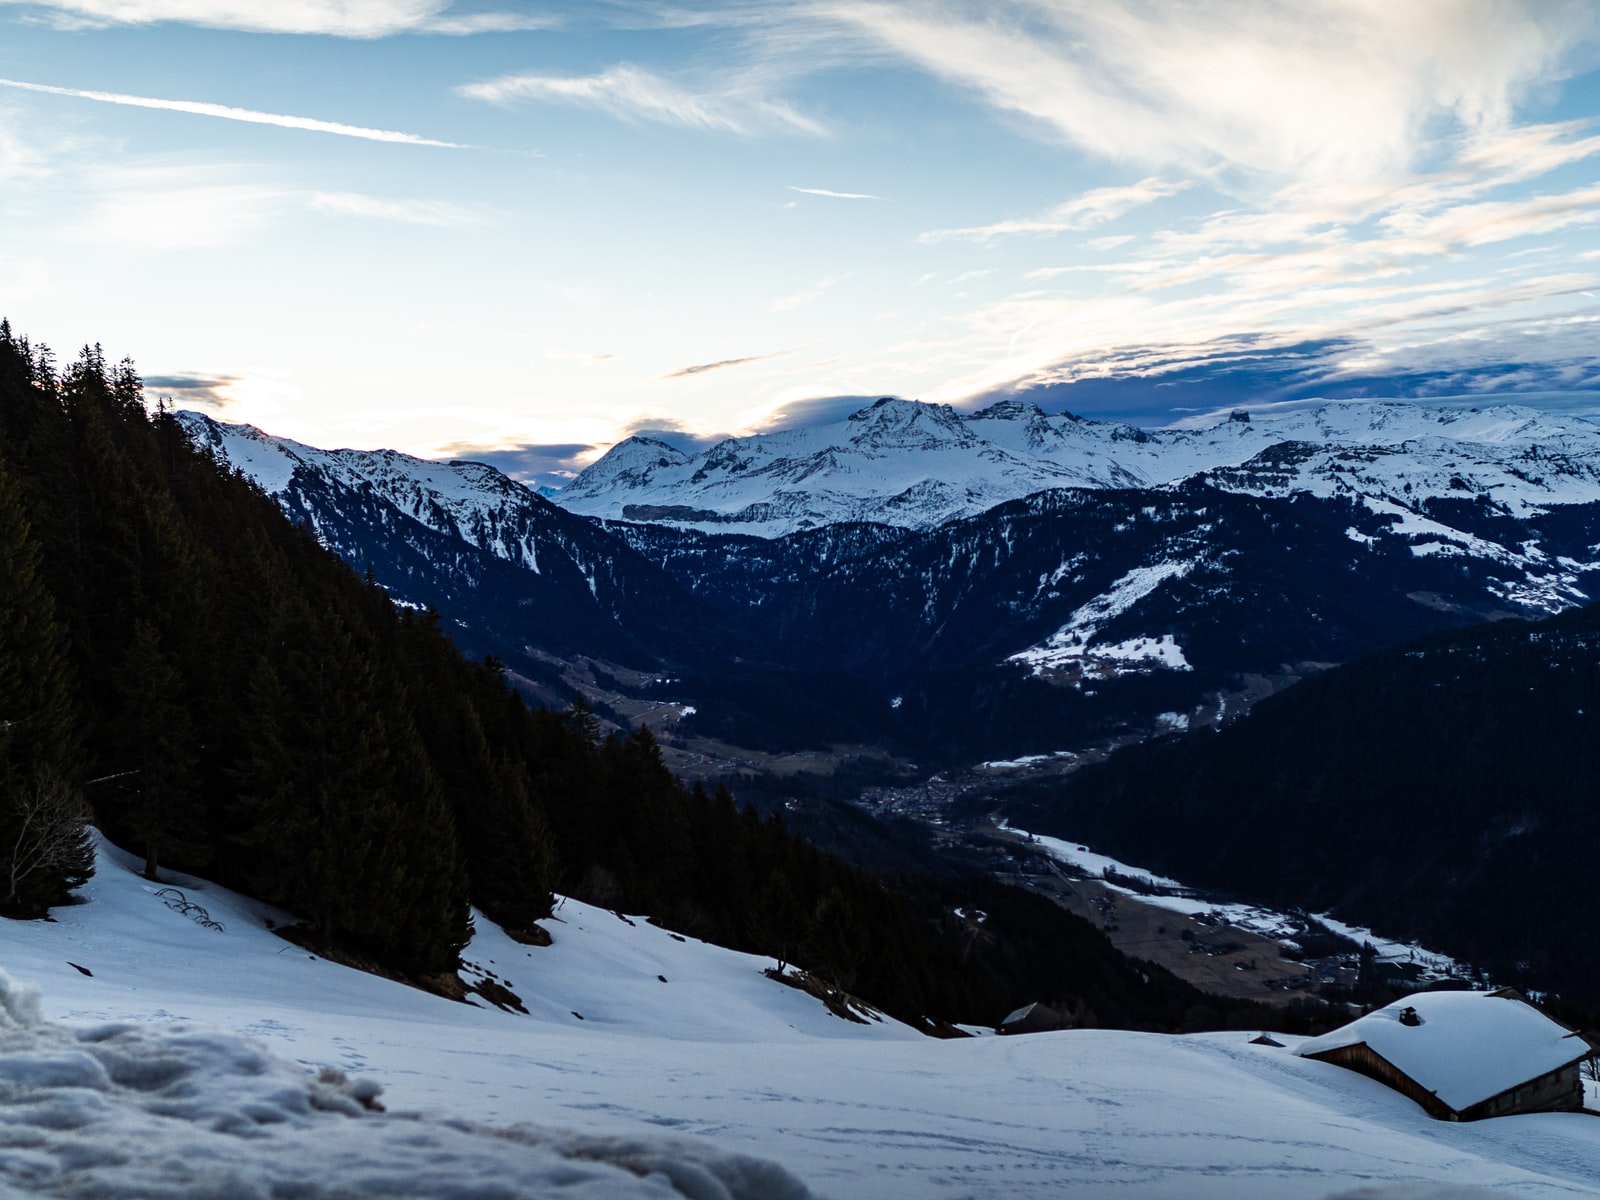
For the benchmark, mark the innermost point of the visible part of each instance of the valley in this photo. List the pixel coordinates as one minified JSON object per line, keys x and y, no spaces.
{"x":816,"y":664}
{"x":1207,"y":939}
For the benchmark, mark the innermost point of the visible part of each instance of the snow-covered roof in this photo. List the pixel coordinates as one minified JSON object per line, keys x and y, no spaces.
{"x":1468,"y":1047}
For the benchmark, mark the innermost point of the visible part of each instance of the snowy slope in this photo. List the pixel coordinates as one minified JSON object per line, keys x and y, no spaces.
{"x":716,"y":1054}
{"x":916,"y":465}
{"x":469,"y":500}
{"x":512,"y":571}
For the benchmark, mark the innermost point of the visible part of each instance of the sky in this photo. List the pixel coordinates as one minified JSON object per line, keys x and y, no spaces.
{"x":519,"y":231}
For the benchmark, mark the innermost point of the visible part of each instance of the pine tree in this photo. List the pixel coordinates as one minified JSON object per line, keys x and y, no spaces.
{"x":44,"y":846}
{"x":162,"y":812}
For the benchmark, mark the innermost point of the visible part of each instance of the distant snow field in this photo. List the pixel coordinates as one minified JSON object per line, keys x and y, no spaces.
{"x":165,"y":1057}
{"x":1169,"y":894}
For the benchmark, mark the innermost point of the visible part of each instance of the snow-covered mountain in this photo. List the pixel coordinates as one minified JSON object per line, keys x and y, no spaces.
{"x":173,"y":1059}
{"x":467,"y":500}
{"x":1323,"y":535}
{"x":514,"y":572}
{"x":917,"y":466}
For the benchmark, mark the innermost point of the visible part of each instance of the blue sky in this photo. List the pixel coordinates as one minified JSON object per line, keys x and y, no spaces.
{"x":522,"y":230}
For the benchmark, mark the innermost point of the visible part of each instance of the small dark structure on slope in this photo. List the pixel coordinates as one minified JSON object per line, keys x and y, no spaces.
{"x":1463,"y":1055}
{"x":1036,"y":1018}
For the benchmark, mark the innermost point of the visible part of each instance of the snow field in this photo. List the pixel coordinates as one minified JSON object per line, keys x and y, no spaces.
{"x":717,"y":1054}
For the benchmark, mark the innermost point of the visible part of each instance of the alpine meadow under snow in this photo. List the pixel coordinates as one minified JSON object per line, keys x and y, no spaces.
{"x":174,"y":1058}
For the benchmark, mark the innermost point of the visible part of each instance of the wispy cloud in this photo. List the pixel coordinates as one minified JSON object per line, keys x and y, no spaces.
{"x":1391,"y":261}
{"x":674,"y":431}
{"x":211,"y":392}
{"x":551,"y":463}
{"x":814,"y":292}
{"x":632,"y":93}
{"x":20,"y":159}
{"x":162,"y":207}
{"x":834,"y":195}
{"x":1093,"y":208}
{"x":340,"y":18}
{"x":227,"y":112}
{"x":702,"y":368}
{"x":584,"y":358}
{"x":440,"y":213}
{"x":153,"y":211}
{"x":813,"y":410}
{"x":468,"y":25}
{"x":1288,"y":89}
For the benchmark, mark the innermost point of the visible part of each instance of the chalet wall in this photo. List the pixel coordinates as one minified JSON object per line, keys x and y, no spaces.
{"x":1364,"y":1061}
{"x":1557,"y":1091}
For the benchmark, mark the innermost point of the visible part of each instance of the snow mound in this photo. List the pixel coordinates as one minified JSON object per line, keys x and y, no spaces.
{"x":176,"y":1110}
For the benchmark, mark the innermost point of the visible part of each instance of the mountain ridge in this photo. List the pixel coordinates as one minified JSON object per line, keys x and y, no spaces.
{"x":918,"y":465}
{"x":1086,"y":611}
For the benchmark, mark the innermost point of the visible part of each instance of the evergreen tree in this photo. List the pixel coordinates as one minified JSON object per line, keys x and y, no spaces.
{"x":162,"y":811}
{"x":44,"y":848}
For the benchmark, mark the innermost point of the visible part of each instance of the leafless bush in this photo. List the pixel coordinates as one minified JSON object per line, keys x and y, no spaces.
{"x":49,"y":835}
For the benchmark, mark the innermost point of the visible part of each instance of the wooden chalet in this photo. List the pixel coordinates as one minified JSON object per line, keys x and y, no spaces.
{"x":1463,"y":1056}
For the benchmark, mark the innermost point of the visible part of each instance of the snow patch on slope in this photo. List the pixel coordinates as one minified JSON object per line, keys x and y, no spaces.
{"x":1073,"y":647}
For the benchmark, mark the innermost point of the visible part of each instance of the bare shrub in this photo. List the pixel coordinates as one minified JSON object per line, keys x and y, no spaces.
{"x":45,"y":847}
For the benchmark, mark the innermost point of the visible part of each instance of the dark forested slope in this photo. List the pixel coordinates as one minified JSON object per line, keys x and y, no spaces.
{"x":1448,"y":791}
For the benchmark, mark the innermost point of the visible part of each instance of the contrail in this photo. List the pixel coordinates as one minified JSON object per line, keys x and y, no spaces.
{"x":229,"y":113}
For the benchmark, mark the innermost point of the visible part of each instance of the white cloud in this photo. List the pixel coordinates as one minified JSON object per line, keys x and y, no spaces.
{"x":1093,"y":208}
{"x":635,"y":94}
{"x":1314,"y":89}
{"x":338,"y":18}
{"x":203,"y":109}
